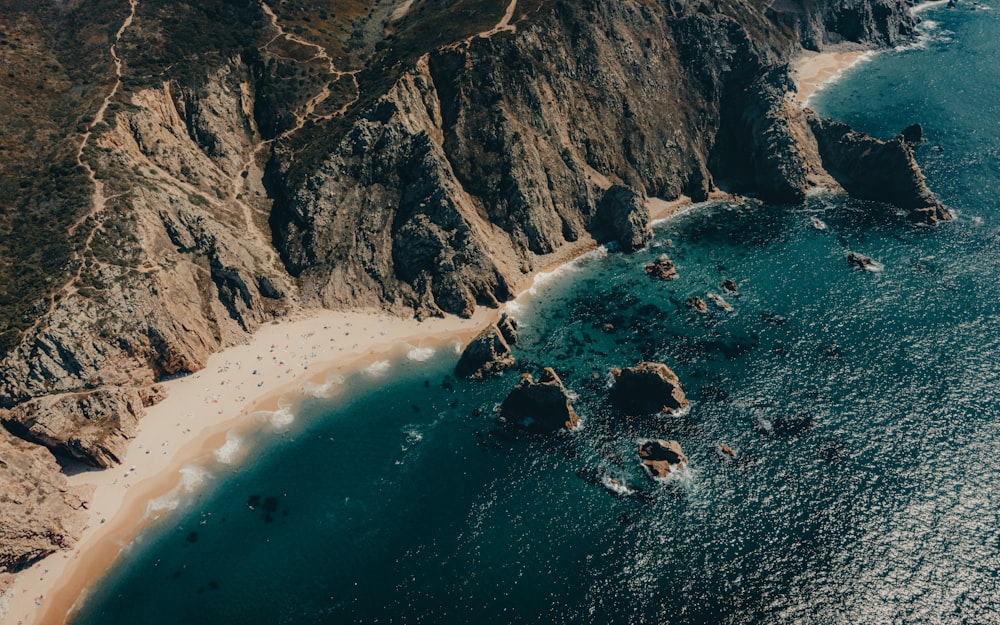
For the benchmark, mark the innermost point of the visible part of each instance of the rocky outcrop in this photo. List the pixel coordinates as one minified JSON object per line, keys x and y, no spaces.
{"x":622,"y":216}
{"x":487,"y":354}
{"x":542,"y":406}
{"x":508,"y":328}
{"x":863,"y":262}
{"x":872,"y":169}
{"x":662,"y":457}
{"x":39,"y":513}
{"x":662,"y":268}
{"x":720,"y":302}
{"x":696,"y":304}
{"x":92,"y":427}
{"x":649,"y":387}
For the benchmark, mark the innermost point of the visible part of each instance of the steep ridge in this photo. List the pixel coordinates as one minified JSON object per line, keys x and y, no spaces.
{"x":390,"y":169}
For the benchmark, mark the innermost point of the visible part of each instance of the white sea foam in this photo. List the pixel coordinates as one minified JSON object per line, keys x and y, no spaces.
{"x":192,"y":477}
{"x":281,"y":418}
{"x":420,"y":354}
{"x":324,"y":390}
{"x":227,"y":454}
{"x":379,"y":367}
{"x":616,"y":486}
{"x":161,"y":504}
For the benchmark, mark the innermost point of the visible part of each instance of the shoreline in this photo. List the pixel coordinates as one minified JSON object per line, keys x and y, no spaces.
{"x":191,"y":429}
{"x":813,"y":72}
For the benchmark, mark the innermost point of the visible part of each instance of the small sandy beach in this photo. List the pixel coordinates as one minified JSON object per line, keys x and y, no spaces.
{"x":812,"y":71}
{"x":238,"y":391}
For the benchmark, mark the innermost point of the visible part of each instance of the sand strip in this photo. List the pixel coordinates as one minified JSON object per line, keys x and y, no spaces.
{"x":813,"y":71}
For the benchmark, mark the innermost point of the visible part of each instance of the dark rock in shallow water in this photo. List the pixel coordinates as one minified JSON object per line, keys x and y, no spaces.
{"x":863,"y":262}
{"x":662,"y":268}
{"x":487,"y":354}
{"x":662,"y":457}
{"x":647,"y":388}
{"x":914,"y":133}
{"x":508,"y":329}
{"x":622,"y":216}
{"x":720,"y":302}
{"x":872,"y":169}
{"x":697,"y":304}
{"x":541,"y":406}
{"x":729,"y":286}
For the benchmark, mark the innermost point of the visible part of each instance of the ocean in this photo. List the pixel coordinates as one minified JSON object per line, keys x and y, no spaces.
{"x":862,"y":406}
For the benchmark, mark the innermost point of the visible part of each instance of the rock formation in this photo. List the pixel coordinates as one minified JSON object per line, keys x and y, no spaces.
{"x":39,"y":514}
{"x":872,"y":169}
{"x":237,"y":174}
{"x":863,"y":262}
{"x":542,"y":406}
{"x":622,"y":216}
{"x":662,"y":268}
{"x":649,"y":387}
{"x":487,"y":354}
{"x":662,"y":457}
{"x":508,"y":328}
{"x":696,"y":304}
{"x":720,"y":302}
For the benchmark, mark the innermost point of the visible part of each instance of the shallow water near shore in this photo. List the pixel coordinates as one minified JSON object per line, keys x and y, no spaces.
{"x":862,"y":407}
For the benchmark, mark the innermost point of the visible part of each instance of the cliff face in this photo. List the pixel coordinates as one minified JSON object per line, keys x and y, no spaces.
{"x":418,"y":160}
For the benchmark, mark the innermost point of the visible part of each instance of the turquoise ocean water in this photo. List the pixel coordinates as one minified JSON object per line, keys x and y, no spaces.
{"x":863,"y":407}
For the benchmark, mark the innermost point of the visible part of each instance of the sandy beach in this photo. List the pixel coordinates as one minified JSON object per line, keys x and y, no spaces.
{"x":812,"y":71}
{"x":241,"y":389}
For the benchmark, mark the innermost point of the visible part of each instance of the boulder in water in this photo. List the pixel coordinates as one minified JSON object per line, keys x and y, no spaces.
{"x":541,"y":406}
{"x":662,"y":268}
{"x":863,"y":262}
{"x":697,"y":304}
{"x":662,"y":457}
{"x":914,"y":133}
{"x":487,"y":354}
{"x":649,"y":387}
{"x":720,"y":302}
{"x":729,"y":286}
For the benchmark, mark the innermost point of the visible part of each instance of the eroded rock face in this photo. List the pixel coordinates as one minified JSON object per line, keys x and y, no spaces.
{"x":487,"y":354}
{"x":662,"y":457}
{"x":93,"y":427}
{"x":542,"y":406}
{"x":622,"y":216}
{"x":646,"y":388}
{"x":872,"y":169}
{"x":39,"y":514}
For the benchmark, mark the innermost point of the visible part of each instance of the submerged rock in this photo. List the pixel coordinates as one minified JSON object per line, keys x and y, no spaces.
{"x":697,"y":304}
{"x":863,"y":262}
{"x":487,"y":354}
{"x":662,"y":457}
{"x":729,"y":286}
{"x":541,"y":406}
{"x":662,"y":268}
{"x":646,"y":388}
{"x":720,"y":302}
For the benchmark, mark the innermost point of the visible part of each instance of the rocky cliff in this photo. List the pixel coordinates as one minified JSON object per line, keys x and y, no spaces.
{"x":232,"y":162}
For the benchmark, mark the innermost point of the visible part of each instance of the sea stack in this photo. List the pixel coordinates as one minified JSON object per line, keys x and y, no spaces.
{"x":541,"y":406}
{"x":662,"y":457}
{"x":649,"y":387}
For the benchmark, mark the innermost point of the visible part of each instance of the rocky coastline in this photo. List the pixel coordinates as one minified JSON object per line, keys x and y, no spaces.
{"x":434,"y":195}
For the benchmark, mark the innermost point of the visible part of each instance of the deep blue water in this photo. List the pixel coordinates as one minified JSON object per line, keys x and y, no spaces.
{"x":863,"y":407}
